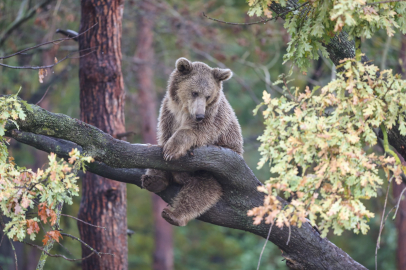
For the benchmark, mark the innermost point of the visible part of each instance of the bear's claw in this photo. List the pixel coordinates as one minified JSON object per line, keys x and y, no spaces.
{"x":173,"y":151}
{"x":153,"y":184}
{"x":169,"y":217}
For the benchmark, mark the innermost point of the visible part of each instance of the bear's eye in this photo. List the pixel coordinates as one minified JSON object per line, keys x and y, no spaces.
{"x":195,"y":94}
{"x":207,"y":98}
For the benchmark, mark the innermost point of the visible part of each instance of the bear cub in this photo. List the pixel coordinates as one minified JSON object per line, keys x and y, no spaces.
{"x":194,"y":113}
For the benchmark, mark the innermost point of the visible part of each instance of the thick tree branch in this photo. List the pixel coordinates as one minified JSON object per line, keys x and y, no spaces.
{"x":118,"y":159}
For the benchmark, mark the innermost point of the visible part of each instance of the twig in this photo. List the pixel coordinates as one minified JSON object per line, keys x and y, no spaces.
{"x":58,"y":255}
{"x":83,"y":221}
{"x":383,"y":2}
{"x":11,"y":242}
{"x":48,"y":66}
{"x":258,"y":22}
{"x":15,"y":254}
{"x":397,"y":205}
{"x":84,"y":243}
{"x":290,"y":232}
{"x":385,"y":52}
{"x":251,"y":23}
{"x":382,"y":225}
{"x":21,"y":19}
{"x":263,"y":248}
{"x":37,"y":67}
{"x":50,"y":243}
{"x":1,"y":242}
{"x":56,"y":41}
{"x":2,"y":224}
{"x":65,"y":248}
{"x":43,"y":96}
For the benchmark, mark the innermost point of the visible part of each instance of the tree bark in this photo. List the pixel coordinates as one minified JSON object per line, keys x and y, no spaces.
{"x":147,"y":108}
{"x":104,"y":202}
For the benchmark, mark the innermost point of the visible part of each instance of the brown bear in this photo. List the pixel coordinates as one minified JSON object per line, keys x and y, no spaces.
{"x":194,"y":113}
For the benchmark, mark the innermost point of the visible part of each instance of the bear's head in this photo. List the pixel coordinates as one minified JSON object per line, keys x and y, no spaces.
{"x":196,"y":87}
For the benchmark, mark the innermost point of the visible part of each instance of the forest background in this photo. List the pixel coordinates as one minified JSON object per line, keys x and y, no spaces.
{"x":254,"y":53}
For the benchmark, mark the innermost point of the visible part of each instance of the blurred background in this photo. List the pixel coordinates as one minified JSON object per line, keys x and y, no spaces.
{"x":177,"y":28}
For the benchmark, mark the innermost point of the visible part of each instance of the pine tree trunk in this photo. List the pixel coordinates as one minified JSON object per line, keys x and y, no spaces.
{"x":147,"y":107}
{"x":102,"y":105}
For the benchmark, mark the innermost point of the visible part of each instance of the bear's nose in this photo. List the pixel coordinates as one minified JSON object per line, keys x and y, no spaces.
{"x":199,"y":117}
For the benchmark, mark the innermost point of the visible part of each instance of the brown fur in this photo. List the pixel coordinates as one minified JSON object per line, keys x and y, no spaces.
{"x":194,"y":93}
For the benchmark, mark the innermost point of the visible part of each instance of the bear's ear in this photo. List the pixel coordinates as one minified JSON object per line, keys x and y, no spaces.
{"x":222,"y":74}
{"x":183,"y":65}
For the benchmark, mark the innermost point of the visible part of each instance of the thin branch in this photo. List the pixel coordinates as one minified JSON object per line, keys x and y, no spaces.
{"x":48,"y":66}
{"x":58,"y":255}
{"x":2,"y":237}
{"x":397,"y":205}
{"x":15,"y":253}
{"x":385,"y":52}
{"x":55,"y":42}
{"x":263,"y":248}
{"x":43,"y":96}
{"x":384,"y":2}
{"x":258,"y":22}
{"x":244,"y":24}
{"x":11,"y":242}
{"x":83,"y":221}
{"x":21,"y":19}
{"x":382,"y":225}
{"x":84,"y":243}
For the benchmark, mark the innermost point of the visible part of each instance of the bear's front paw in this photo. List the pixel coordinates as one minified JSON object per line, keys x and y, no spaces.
{"x":170,"y":218}
{"x":154,"y":184}
{"x":173,"y":150}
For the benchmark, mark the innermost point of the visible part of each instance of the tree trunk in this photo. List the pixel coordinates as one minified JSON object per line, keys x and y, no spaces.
{"x":102,"y":105}
{"x":397,"y":189}
{"x":147,"y":107}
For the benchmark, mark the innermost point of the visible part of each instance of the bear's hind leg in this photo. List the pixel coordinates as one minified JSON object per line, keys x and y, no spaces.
{"x":155,"y":180}
{"x":197,"y":196}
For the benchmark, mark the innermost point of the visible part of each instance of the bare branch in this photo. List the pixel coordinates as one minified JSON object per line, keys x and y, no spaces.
{"x":78,"y":219}
{"x":263,"y":248}
{"x":43,"y":96}
{"x":11,"y":242}
{"x":21,"y":18}
{"x":381,"y":226}
{"x":58,"y":255}
{"x":258,"y":22}
{"x":397,"y":205}
{"x":383,"y":2}
{"x":48,"y":66}
{"x":241,"y":24}
{"x":84,"y":243}
{"x":56,"y":41}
